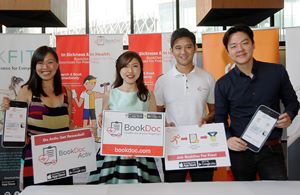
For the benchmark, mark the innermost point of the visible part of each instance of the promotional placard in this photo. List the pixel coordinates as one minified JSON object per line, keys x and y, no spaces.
{"x":191,"y":147}
{"x":63,"y":154}
{"x":133,"y":133}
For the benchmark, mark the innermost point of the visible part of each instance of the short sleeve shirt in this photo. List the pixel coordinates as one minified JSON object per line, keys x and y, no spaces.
{"x":185,"y":96}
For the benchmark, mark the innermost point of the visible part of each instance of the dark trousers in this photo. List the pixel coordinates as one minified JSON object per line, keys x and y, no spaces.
{"x":268,"y":163}
{"x":203,"y":174}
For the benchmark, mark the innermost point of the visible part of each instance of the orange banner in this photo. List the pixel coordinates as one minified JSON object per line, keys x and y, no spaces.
{"x":215,"y":57}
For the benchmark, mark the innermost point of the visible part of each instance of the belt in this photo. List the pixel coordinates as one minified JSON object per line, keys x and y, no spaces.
{"x":272,"y":142}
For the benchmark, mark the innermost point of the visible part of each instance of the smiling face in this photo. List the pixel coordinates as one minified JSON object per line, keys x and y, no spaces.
{"x":46,"y":69}
{"x":240,"y":48}
{"x":131,"y":72}
{"x":183,"y":51}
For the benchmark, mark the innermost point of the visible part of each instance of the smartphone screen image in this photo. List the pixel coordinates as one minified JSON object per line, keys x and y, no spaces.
{"x":15,"y":125}
{"x":260,"y":127}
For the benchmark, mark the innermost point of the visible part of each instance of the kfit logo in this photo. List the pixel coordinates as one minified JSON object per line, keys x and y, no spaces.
{"x":115,"y":129}
{"x":49,"y":156}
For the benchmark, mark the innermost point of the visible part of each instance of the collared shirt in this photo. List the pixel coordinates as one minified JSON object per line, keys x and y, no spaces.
{"x":239,"y":96}
{"x":184,"y":96}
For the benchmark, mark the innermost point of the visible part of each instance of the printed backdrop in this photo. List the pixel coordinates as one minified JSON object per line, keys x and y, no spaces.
{"x":15,"y":57}
{"x":83,"y":55}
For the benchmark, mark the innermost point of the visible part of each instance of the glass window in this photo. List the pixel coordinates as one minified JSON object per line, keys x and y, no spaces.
{"x":287,"y":17}
{"x":187,"y":16}
{"x":113,"y":17}
{"x":154,"y":16}
{"x":202,"y":29}
{"x":291,"y":13}
{"x":264,"y":24}
{"x":278,"y":22}
{"x":187,"y":10}
{"x":110,"y":17}
{"x":75,"y":21}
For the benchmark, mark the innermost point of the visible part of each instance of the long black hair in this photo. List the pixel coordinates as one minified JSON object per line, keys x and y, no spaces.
{"x":35,"y":81}
{"x":122,"y":62}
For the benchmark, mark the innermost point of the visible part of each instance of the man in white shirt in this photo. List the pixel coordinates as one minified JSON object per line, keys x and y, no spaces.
{"x":183,"y":93}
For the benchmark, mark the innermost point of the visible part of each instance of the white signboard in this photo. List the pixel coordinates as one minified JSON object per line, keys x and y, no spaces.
{"x":63,"y":154}
{"x":191,"y":147}
{"x":133,"y":133}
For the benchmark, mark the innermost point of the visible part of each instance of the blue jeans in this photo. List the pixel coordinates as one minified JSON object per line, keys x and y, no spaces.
{"x":268,"y":163}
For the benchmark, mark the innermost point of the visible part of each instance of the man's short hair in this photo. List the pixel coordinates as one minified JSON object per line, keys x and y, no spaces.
{"x":238,"y":28}
{"x":182,"y":32}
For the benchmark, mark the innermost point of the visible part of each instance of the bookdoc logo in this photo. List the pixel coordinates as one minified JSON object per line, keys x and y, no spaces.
{"x":142,"y":128}
{"x":115,"y":129}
